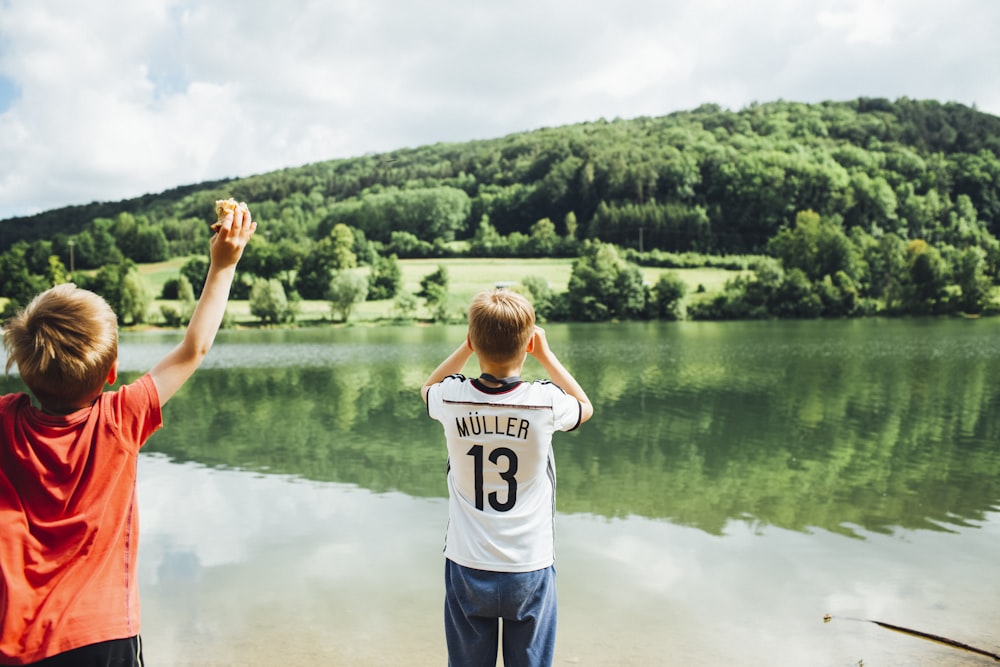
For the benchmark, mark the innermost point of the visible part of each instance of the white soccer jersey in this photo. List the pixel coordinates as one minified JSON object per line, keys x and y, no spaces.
{"x":501,"y":473}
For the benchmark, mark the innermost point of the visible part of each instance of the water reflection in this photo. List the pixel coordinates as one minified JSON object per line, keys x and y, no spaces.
{"x":251,"y":569}
{"x":739,"y":481}
{"x":837,"y":425}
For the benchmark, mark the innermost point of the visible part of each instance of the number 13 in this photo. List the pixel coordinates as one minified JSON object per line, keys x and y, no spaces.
{"x":507,"y":475}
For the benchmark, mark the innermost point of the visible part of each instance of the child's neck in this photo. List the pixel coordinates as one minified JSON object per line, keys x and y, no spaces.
{"x":501,"y":371}
{"x":63,"y":410}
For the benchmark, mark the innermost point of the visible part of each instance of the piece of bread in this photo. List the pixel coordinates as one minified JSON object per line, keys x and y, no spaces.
{"x":222,"y":208}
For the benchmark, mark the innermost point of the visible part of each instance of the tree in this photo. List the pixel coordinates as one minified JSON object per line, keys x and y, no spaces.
{"x":342,"y":254}
{"x":668,"y":296}
{"x":268,"y":301}
{"x":150,"y":245}
{"x":871,"y":201}
{"x":434,"y":291}
{"x":486,"y":242}
{"x":885,"y":259}
{"x":385,"y":278}
{"x":331,"y":254}
{"x":195,"y":270}
{"x":185,"y":292}
{"x":571,"y":224}
{"x":927,"y":278}
{"x":630,"y":293}
{"x":187,"y":236}
{"x":543,"y":240}
{"x":315,"y":274}
{"x":817,"y":247}
{"x":542,"y":296}
{"x":604,"y":286}
{"x":347,"y":289}
{"x":181,"y":290}
{"x":17,"y":283}
{"x":94,"y":249}
{"x":428,"y":213}
{"x":970,"y":275}
{"x":135,"y":298}
{"x":407,"y":245}
{"x":795,"y":297}
{"x":265,"y":258}
{"x":405,"y":304}
{"x":103,"y":247}
{"x":124,"y":289}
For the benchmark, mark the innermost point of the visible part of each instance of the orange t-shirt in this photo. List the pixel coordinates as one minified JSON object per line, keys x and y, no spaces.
{"x":69,"y":524}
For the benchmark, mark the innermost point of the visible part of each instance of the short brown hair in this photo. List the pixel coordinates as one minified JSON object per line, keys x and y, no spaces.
{"x":64,"y":344}
{"x":501,"y":323}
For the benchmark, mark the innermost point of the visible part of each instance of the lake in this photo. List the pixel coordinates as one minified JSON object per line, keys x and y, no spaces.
{"x":739,"y":481}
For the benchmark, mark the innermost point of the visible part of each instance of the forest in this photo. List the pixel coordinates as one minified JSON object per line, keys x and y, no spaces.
{"x":837,"y":209}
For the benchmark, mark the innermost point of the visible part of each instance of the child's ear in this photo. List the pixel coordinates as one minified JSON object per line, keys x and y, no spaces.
{"x":113,"y":373}
{"x":531,"y":345}
{"x":468,"y":342}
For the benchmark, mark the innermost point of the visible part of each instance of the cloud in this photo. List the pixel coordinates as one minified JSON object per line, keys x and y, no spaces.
{"x":104,"y":100}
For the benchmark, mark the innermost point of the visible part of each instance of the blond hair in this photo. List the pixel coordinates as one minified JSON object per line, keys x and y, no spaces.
{"x":64,"y":343}
{"x":501,"y":323}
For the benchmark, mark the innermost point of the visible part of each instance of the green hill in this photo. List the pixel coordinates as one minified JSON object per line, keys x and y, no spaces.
{"x":707,"y":180}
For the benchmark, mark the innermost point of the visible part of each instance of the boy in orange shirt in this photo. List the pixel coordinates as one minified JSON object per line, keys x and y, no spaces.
{"x":68,"y":515}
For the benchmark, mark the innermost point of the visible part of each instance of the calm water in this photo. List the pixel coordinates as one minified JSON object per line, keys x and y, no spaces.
{"x":738,"y":482}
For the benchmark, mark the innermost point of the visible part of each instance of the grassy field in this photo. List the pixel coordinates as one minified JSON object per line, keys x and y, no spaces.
{"x":466,"y":277}
{"x":156,"y":275}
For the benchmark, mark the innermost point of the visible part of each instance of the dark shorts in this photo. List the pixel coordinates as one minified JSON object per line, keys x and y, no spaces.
{"x":114,"y":653}
{"x":477,"y":600}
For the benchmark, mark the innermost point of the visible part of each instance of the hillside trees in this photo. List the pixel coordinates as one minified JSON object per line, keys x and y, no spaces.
{"x":746,"y":171}
{"x":136,"y":238}
{"x":709,"y":180}
{"x":878,"y":174}
{"x":267,"y":259}
{"x":123,"y":288}
{"x":818,"y":270}
{"x":427,"y":213}
{"x":333,"y":253}
{"x":603,"y":286}
{"x":973,"y":283}
{"x":25,"y":270}
{"x":924,"y":291}
{"x":817,"y":247}
{"x":93,"y":247}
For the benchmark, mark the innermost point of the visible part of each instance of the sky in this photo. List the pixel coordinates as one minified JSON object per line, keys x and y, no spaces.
{"x":105,"y":100}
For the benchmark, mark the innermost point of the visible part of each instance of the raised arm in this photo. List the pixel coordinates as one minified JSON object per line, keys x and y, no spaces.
{"x":540,"y":350}
{"x":227,"y":245}
{"x":453,"y":364}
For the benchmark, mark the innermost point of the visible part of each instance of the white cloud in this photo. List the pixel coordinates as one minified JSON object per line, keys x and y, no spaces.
{"x":864,"y":23}
{"x":104,"y":100}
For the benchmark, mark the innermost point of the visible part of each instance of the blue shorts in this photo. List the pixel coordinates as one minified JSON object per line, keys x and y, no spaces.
{"x":476,"y":600}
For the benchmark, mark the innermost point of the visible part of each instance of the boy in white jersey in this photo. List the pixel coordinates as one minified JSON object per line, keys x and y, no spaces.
{"x":501,"y":484}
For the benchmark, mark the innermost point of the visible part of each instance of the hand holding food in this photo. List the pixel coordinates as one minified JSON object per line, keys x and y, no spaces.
{"x":224,"y":207}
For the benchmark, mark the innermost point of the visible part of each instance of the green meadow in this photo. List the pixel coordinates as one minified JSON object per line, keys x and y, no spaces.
{"x":466,"y":277}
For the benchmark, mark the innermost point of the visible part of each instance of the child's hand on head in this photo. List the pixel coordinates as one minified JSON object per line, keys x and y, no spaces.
{"x":539,"y":344}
